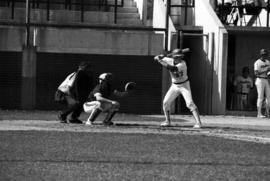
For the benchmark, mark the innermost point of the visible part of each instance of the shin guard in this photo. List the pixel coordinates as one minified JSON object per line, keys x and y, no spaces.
{"x":109,"y":117}
{"x":94,"y":115}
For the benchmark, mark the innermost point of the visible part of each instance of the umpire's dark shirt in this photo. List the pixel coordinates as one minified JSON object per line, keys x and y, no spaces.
{"x":83,"y":85}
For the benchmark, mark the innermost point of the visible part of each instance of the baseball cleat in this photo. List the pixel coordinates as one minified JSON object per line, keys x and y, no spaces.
{"x":165,"y":123}
{"x":62,"y":118}
{"x":89,"y":123}
{"x":197,"y":126}
{"x":260,"y":116}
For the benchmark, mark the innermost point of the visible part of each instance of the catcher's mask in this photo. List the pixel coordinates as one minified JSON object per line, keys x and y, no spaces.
{"x":108,"y":77}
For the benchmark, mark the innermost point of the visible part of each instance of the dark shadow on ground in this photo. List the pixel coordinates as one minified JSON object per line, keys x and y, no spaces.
{"x":133,"y":162}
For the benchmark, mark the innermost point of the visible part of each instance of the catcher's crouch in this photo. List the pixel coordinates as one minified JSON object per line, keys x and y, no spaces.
{"x":180,"y":84}
{"x":99,"y":99}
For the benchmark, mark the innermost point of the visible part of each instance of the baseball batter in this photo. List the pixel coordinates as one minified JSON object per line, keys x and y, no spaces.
{"x":180,"y":85}
{"x":261,"y":69}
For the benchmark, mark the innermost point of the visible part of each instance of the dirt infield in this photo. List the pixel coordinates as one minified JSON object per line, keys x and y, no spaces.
{"x":231,"y":127}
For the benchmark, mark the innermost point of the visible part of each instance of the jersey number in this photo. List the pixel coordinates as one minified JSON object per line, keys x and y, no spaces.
{"x":178,"y":73}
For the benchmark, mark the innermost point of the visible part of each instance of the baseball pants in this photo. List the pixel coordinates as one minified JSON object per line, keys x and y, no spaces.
{"x":174,"y":91}
{"x":263,"y":88}
{"x":103,"y":106}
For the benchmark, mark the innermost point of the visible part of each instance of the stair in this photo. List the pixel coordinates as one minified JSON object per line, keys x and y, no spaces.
{"x":126,"y":15}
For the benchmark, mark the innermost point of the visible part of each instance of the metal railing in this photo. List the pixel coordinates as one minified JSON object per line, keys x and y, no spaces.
{"x":240,"y":8}
{"x":68,"y":4}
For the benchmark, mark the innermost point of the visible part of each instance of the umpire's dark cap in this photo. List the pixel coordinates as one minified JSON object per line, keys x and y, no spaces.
{"x":263,"y":52}
{"x":84,"y":64}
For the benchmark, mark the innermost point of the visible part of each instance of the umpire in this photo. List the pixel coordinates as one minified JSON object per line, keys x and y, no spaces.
{"x":79,"y":92}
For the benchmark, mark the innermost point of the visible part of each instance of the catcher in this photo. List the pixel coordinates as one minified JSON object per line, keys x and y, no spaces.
{"x":99,"y":99}
{"x":180,"y":84}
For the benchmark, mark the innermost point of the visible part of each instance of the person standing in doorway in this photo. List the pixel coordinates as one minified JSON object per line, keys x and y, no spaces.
{"x":243,"y":83}
{"x":261,"y":70}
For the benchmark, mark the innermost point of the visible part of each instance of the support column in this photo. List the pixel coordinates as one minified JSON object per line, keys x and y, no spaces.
{"x":28,"y":94}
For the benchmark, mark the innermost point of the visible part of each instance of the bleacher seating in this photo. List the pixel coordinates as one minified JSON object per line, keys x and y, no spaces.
{"x":70,"y":11}
{"x":235,"y":12}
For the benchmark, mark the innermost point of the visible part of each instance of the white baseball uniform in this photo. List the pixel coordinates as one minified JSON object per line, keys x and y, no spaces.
{"x":180,"y":85}
{"x":243,"y":84}
{"x":262,"y":84}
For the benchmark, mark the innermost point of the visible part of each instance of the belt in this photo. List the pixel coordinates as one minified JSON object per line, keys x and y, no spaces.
{"x":180,"y":82}
{"x":242,"y":93}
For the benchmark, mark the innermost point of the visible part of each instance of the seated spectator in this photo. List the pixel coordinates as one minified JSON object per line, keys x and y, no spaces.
{"x":240,"y":9}
{"x":253,"y":7}
{"x":224,"y":8}
{"x":243,"y":84}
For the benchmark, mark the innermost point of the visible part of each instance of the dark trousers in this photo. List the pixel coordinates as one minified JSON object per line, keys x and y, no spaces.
{"x":74,"y":107}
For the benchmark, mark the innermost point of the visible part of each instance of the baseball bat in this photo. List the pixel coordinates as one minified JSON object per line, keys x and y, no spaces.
{"x":185,"y":50}
{"x":180,"y":51}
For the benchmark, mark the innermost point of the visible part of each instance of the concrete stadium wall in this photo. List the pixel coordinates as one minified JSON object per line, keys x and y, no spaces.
{"x":99,"y":42}
{"x":128,"y":53}
{"x":12,"y":38}
{"x":34,"y":89}
{"x":122,"y":48}
{"x":10,"y":79}
{"x":52,"y":68}
{"x":216,"y":52}
{"x":83,"y":41}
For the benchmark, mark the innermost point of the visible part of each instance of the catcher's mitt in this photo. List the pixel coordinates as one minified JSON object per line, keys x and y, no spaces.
{"x":130,"y":86}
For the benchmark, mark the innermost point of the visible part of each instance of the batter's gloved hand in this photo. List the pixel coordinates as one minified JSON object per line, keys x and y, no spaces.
{"x":130,"y":86}
{"x":159,"y":57}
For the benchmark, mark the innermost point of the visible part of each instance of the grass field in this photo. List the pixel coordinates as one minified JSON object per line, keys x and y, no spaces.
{"x":48,"y":150}
{"x":46,"y":155}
